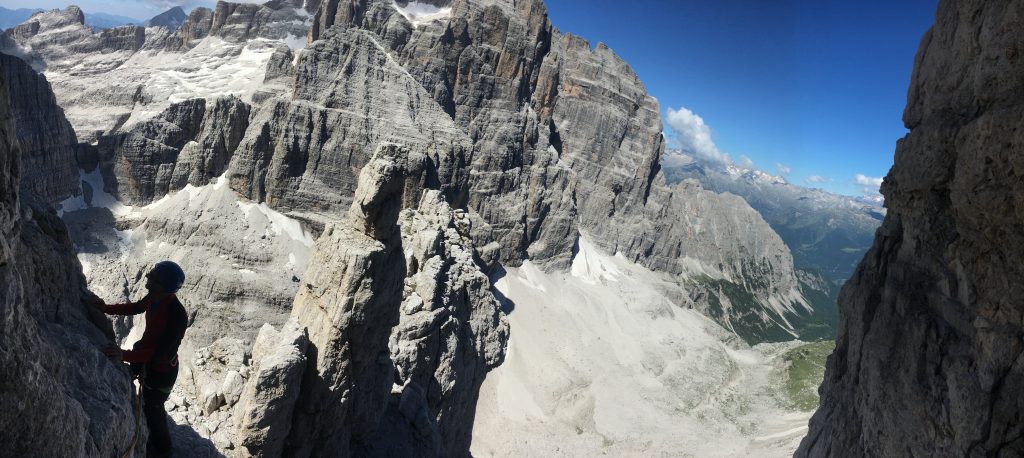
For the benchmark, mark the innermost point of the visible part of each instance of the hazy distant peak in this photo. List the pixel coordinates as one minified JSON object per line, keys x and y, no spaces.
{"x":170,"y":19}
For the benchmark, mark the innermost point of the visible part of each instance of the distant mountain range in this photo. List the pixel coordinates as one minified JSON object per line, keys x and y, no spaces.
{"x":826,"y":232}
{"x":10,"y":18}
{"x":109,"y":21}
{"x":171,"y":19}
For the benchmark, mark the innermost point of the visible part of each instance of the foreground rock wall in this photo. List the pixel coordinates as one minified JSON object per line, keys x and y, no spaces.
{"x":60,"y":395}
{"x":930,"y":356}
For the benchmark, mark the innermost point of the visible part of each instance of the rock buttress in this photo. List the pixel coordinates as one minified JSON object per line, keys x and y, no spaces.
{"x":929,"y":359}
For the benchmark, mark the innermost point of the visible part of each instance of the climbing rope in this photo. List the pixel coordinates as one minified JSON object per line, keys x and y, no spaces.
{"x":138,"y":418}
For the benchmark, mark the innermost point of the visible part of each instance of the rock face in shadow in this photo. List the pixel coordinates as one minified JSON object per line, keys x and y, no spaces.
{"x":191,"y":142}
{"x":60,"y":395}
{"x":450,"y":334}
{"x":46,"y":138}
{"x":387,"y":288}
{"x":929,"y":360}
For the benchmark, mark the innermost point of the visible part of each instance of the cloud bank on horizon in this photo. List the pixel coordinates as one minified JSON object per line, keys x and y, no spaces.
{"x":688,"y":133}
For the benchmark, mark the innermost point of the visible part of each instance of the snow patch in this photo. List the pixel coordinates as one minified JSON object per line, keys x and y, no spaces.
{"x":260,"y":213}
{"x":421,"y":13}
{"x":91,"y":195}
{"x":295,"y":42}
{"x":591,"y":266}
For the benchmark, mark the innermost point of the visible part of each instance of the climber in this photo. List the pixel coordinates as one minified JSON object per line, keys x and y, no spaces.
{"x":154,"y":358}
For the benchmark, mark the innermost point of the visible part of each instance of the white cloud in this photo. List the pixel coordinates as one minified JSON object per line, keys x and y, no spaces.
{"x":815,"y":179}
{"x":674,"y":159}
{"x":693,"y":135}
{"x":783,"y":169}
{"x":746,"y":162}
{"x":868,"y":185}
{"x":867,"y":181}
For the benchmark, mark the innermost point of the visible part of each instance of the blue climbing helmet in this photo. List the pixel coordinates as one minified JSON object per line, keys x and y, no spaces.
{"x":169,"y":275}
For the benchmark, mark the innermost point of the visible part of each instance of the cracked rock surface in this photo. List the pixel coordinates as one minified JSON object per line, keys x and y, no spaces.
{"x":929,"y":359}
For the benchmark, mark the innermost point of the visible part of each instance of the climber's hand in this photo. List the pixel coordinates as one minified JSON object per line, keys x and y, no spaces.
{"x":113,"y":351}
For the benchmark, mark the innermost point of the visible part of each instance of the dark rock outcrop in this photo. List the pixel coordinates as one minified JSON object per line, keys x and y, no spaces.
{"x":929,"y":360}
{"x":60,"y":395}
{"x":170,"y":19}
{"x":191,"y":142}
{"x":46,"y":139}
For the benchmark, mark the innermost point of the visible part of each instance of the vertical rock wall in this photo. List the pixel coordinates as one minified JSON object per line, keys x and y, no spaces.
{"x":929,"y":360}
{"x":60,"y":396}
{"x":46,"y":138}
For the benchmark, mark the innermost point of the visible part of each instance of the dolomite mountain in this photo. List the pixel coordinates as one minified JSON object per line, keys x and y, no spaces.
{"x":827,"y":233}
{"x":369,"y":195}
{"x":507,"y":117}
{"x":928,"y":360}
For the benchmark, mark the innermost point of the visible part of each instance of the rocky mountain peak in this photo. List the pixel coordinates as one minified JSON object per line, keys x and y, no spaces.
{"x":170,"y":19}
{"x":73,"y":14}
{"x":391,"y":181}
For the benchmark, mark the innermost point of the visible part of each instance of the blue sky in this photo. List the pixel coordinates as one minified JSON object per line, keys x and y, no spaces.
{"x":138,"y":9}
{"x":815,"y":88}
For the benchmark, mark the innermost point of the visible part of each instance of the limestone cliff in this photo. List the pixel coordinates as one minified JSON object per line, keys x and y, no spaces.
{"x":45,"y":137}
{"x":929,"y":359}
{"x":60,"y":395}
{"x":444,"y":325}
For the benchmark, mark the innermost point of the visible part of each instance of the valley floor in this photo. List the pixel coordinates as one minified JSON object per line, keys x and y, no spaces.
{"x":601,"y":362}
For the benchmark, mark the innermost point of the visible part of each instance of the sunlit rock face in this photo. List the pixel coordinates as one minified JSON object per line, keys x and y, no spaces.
{"x":929,"y":359}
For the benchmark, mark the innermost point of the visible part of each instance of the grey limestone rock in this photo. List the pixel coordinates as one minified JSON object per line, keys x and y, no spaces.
{"x":280,"y":65}
{"x":238,"y":22}
{"x":129,"y":37}
{"x":264,"y":412}
{"x":451,"y":331}
{"x":60,"y":395}
{"x":929,"y":360}
{"x":349,"y":301}
{"x":191,"y":142}
{"x":46,"y":138}
{"x":60,"y":40}
{"x":196,"y":27}
{"x":738,"y":270}
{"x":394,"y":287}
{"x":350,"y":96}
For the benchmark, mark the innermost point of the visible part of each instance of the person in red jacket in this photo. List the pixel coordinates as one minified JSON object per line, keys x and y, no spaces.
{"x":155,"y":356}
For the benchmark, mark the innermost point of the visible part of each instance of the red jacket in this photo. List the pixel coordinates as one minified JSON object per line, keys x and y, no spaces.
{"x":166,"y":321}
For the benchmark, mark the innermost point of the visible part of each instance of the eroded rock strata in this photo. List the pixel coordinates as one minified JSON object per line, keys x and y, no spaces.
{"x":60,"y":395}
{"x":930,"y":354}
